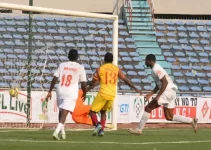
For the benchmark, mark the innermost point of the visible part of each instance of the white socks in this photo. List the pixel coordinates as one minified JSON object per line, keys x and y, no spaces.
{"x":59,"y":127}
{"x":63,"y":130}
{"x":183,"y":119}
{"x":144,"y":119}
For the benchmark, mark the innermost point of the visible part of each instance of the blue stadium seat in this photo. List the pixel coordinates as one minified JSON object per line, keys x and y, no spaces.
{"x":79,"y":38}
{"x":72,"y":31}
{"x":189,"y":74}
{"x":146,"y":81}
{"x":125,"y":87}
{"x":195,"y":88}
{"x":203,"y":81}
{"x":9,"y":63}
{"x":175,"y":67}
{"x":206,"y":42}
{"x":58,"y":38}
{"x":207,"y":68}
{"x":201,"y":29}
{"x":162,"y":40}
{"x":51,"y":24}
{"x":191,"y":54}
{"x":142,"y":73}
{"x":192,"y":81}
{"x":92,"y":25}
{"x":184,"y":88}
{"x":200,"y":23}
{"x":82,"y":25}
{"x":166,"y":47}
{"x":2,"y":29}
{"x":176,"y":47}
{"x":132,"y":73}
{"x":179,"y":23}
{"x":42,"y":24}
{"x":99,"y":39}
{"x":6,"y":77}
{"x":204,"y":35}
{"x":189,"y":23}
{"x":123,"y":54}
{"x":187,"y":48}
{"x":101,"y":45}
{"x":129,"y":67}
{"x":83,"y":32}
{"x":207,"y":48}
{"x":178,"y":74}
{"x":8,"y":50}
{"x":172,"y":41}
{"x":169,"y":23}
{"x":136,"y":80}
{"x":182,"y":34}
{"x":183,"y":41}
{"x":161,"y":28}
{"x":68,"y":38}
{"x":171,"y":59}
{"x":101,"y":53}
{"x":208,"y":75}
{"x":193,"y":35}
{"x":180,"y":81}
{"x":161,"y":34}
{"x":73,"y":25}
{"x":91,"y":45}
{"x":121,"y":46}
{"x":148,"y":88}
{"x":207,"y":89}
{"x":180,"y":54}
{"x":194,"y":41}
{"x":181,"y":28}
{"x":171,"y":28}
{"x":203,"y":54}
{"x":198,"y":48}
{"x":138,"y":59}
{"x":186,"y":67}
{"x":134,"y":54}
{"x":95,"y":65}
{"x":129,"y":40}
{"x":193,"y":60}
{"x":48,"y":37}
{"x":204,"y":60}
{"x":131,"y":46}
{"x":198,"y":68}
{"x":159,"y":22}
{"x":127,"y":59}
{"x":183,"y":60}
{"x":92,"y":53}
{"x":61,"y":24}
{"x":171,"y":34}
{"x":139,"y":67}
{"x":123,"y":33}
{"x":4,"y":85}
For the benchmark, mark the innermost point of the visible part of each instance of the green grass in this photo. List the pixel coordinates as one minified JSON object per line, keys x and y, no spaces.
{"x":151,"y":139}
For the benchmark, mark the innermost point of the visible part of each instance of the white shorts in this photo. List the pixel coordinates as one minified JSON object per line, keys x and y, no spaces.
{"x":167,"y":99}
{"x":67,"y":104}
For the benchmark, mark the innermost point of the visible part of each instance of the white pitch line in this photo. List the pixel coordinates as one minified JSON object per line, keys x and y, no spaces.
{"x":97,"y":142}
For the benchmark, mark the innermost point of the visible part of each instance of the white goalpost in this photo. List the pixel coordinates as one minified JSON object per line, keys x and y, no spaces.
{"x":49,"y":30}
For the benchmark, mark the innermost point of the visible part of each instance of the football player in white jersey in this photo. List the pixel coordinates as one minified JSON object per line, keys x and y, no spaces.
{"x":69,"y":75}
{"x":165,"y":97}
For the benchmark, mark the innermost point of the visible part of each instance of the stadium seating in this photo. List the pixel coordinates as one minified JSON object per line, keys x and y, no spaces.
{"x":55,"y":36}
{"x":186,"y":45}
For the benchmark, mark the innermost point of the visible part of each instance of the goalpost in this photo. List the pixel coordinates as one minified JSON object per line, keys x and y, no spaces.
{"x":34,"y":40}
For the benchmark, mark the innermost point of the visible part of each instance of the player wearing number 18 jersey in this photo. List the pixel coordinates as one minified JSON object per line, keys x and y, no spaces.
{"x":107,"y":75}
{"x":70,"y":74}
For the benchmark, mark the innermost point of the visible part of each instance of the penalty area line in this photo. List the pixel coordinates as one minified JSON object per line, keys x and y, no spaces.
{"x":115,"y":143}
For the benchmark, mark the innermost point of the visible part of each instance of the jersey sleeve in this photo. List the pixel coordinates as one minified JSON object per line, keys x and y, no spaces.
{"x":82,"y":75}
{"x":57,"y":73}
{"x":121,"y":74}
{"x":96,"y":75}
{"x":159,"y":72}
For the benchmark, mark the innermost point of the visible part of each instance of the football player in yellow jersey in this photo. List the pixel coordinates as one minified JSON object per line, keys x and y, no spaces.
{"x":107,"y":75}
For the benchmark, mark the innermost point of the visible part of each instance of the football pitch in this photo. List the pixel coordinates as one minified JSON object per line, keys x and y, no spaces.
{"x":151,"y":139}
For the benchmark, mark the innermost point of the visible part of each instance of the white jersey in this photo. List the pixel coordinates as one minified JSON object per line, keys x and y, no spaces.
{"x":158,"y":73}
{"x":70,"y":74}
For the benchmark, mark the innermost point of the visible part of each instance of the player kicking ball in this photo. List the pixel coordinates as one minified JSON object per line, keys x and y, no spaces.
{"x":107,"y":75}
{"x":165,"y":97}
{"x":70,"y":74}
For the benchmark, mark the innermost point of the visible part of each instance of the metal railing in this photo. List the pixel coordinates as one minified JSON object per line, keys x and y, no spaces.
{"x":128,"y":3}
{"x":152,"y":11}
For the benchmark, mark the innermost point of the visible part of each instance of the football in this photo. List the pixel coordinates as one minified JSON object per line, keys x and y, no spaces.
{"x":14,"y":92}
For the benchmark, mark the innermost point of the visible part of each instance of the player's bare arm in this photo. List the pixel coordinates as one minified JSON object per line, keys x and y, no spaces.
{"x":92,"y":85}
{"x":83,"y":87}
{"x":163,"y":87}
{"x":154,"y":91}
{"x":123,"y":78}
{"x":53,"y":82}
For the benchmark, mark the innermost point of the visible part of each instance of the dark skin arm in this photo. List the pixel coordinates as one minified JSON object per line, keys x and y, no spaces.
{"x":53,"y":82}
{"x":83,"y":87}
{"x":155,"y":90}
{"x":92,"y":85}
{"x":163,"y":87}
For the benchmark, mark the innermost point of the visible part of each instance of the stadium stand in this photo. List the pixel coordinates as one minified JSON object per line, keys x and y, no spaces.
{"x":57,"y":35}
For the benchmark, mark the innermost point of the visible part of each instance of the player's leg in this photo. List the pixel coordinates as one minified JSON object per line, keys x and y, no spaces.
{"x":96,"y":107}
{"x":60,"y":126}
{"x":151,"y":106}
{"x":170,"y":97}
{"x":107,"y":107}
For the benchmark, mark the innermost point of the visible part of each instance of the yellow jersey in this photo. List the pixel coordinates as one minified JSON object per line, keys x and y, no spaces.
{"x":108,"y":75}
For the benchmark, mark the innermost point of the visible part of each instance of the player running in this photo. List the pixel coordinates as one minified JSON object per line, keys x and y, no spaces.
{"x":70,"y":74}
{"x":107,"y":75}
{"x":165,"y":97}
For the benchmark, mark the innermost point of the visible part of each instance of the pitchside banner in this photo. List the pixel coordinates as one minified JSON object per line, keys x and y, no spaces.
{"x":129,"y":108}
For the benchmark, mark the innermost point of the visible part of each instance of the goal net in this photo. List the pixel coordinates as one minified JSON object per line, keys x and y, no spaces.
{"x":33,"y":41}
